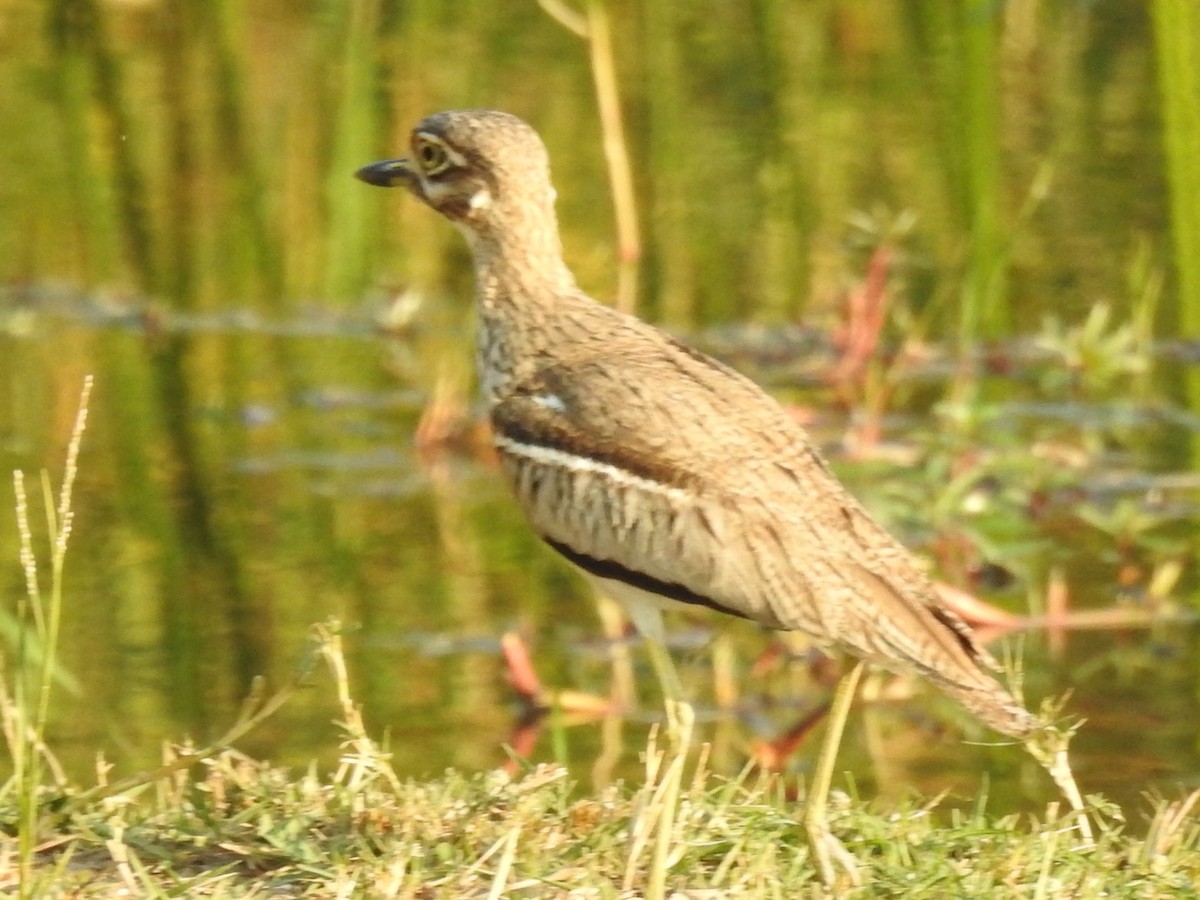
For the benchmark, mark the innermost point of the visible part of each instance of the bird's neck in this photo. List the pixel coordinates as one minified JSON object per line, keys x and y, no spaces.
{"x":519,"y":282}
{"x":518,"y":290}
{"x":520,"y":278}
{"x":520,"y":266}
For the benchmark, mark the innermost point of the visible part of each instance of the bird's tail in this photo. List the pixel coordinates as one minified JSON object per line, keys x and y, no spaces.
{"x":993,"y":705}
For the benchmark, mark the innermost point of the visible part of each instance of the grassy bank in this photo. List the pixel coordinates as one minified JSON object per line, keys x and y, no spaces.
{"x":230,"y":826}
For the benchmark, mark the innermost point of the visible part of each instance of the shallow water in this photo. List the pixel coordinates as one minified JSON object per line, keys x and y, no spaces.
{"x":327,"y":509}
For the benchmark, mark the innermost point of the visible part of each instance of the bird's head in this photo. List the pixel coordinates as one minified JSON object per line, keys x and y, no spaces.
{"x":484,"y":170}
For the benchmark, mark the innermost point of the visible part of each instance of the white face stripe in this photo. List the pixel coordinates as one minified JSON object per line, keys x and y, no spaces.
{"x":552,"y":402}
{"x":560,"y":459}
{"x":435,"y":191}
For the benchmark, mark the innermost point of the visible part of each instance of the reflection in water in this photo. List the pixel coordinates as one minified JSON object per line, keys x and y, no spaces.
{"x":184,"y":194}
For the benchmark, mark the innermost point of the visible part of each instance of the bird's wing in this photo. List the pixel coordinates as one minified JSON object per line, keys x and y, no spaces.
{"x":715,"y":498}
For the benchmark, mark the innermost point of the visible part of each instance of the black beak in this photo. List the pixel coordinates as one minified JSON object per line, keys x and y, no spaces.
{"x":387,"y":173}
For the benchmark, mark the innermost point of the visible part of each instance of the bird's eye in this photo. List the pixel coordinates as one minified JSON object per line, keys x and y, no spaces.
{"x":432,"y":156}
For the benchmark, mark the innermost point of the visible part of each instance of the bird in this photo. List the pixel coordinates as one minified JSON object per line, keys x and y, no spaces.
{"x":669,"y":479}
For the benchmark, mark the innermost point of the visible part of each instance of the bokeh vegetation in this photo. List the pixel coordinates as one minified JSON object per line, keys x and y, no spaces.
{"x":1016,"y":182}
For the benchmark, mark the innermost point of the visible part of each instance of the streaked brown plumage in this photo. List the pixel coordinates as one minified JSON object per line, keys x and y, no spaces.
{"x":663,"y":474}
{"x":698,"y":484}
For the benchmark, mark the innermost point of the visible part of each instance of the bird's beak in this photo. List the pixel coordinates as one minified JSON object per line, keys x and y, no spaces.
{"x":388,"y":173}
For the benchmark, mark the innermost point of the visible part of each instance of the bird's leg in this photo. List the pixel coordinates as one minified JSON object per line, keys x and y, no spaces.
{"x":826,"y":848}
{"x":648,"y":621}
{"x":1049,"y":747}
{"x":680,"y":718}
{"x":680,"y":715}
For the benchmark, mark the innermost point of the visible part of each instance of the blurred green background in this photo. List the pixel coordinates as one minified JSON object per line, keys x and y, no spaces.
{"x":178,"y":218}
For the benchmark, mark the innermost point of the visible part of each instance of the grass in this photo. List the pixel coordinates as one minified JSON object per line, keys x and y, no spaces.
{"x":233,"y":826}
{"x":211,"y":821}
{"x":26,"y":708}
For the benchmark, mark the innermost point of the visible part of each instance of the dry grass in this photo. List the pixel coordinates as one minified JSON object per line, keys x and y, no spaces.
{"x":232,"y":826}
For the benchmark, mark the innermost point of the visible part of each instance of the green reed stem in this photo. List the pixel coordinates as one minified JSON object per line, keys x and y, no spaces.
{"x":984,"y":309}
{"x":1177,"y":38}
{"x":351,"y":229}
{"x":1177,"y":43}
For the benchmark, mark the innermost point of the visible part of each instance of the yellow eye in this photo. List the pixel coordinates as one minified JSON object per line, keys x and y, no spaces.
{"x":432,"y":156}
